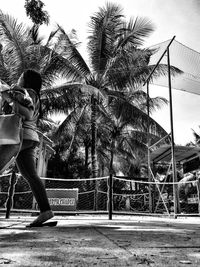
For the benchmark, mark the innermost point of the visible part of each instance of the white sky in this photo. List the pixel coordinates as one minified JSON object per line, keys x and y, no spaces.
{"x":171,"y":17}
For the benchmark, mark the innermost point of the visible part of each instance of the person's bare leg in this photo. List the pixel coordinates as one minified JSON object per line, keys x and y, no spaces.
{"x":27,"y":167}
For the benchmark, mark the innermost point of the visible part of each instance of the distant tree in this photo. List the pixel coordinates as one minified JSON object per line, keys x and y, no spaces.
{"x":34,"y":10}
{"x":196,"y":136}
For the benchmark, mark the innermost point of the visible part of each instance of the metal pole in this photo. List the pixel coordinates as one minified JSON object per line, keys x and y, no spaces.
{"x":172,"y":140}
{"x":148,"y":78}
{"x":198,"y":193}
{"x":110,"y":196}
{"x":148,"y":154}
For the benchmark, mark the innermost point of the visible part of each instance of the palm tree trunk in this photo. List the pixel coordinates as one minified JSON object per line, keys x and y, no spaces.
{"x":111,"y":161}
{"x":86,"y":160}
{"x":86,"y":172}
{"x":93,"y":149}
{"x":94,"y":133}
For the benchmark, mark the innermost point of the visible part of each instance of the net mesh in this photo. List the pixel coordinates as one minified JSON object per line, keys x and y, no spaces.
{"x":129,"y":196}
{"x":183,"y":58}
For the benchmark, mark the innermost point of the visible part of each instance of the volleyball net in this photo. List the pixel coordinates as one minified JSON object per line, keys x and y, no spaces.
{"x":185,"y":59}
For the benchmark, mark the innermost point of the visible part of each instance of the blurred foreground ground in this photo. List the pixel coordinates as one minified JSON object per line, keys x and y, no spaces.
{"x":84,"y":240}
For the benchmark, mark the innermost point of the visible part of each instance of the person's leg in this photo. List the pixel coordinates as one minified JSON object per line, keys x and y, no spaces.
{"x":27,"y":167}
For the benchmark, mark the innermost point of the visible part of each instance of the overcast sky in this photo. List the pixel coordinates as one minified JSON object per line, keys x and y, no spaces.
{"x":178,"y":18}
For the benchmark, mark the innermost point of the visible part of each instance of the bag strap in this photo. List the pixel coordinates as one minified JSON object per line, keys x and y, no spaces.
{"x":1,"y":100}
{"x":1,"y":104}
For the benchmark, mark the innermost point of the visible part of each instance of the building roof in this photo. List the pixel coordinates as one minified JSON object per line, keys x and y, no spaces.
{"x":182,"y":153}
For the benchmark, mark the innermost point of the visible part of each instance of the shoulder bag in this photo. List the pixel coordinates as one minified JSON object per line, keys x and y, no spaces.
{"x":10,"y":129}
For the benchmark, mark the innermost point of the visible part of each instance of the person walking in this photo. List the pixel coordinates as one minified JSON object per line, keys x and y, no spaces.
{"x":25,"y":100}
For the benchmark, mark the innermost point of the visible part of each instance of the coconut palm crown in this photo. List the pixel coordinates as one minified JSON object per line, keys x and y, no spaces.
{"x":117,"y":67}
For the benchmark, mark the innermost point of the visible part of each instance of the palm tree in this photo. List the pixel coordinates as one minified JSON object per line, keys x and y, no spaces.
{"x":34,"y":10}
{"x":22,"y":48}
{"x":118,"y":66}
{"x":197,"y":139}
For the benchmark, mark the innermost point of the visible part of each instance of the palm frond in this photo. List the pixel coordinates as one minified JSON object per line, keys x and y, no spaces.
{"x":133,"y":33}
{"x":133,"y":116}
{"x":4,"y":73}
{"x":74,"y":123}
{"x":47,"y":124}
{"x":128,"y":68}
{"x":15,"y":38}
{"x":196,"y":136}
{"x":67,"y":47}
{"x":65,"y":96}
{"x":131,"y":146}
{"x":103,"y":27}
{"x":162,"y":70}
{"x":139,"y":99}
{"x":34,"y":32}
{"x":72,"y":120}
{"x":56,"y":64}
{"x":51,"y":36}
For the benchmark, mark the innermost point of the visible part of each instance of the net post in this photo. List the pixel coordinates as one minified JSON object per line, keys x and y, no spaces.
{"x":175,"y":193}
{"x":148,"y":154}
{"x":110,"y":196}
{"x":148,"y":78}
{"x":198,"y":193}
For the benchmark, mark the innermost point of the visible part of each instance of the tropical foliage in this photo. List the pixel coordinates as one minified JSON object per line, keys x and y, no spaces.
{"x":102,"y":97}
{"x":117,"y":67}
{"x":34,"y":10}
{"x":196,"y":141}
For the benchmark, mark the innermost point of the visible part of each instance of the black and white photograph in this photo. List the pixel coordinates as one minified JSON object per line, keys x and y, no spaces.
{"x":100,"y":133}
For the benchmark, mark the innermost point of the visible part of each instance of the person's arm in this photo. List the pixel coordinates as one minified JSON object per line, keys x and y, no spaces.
{"x":26,"y":112}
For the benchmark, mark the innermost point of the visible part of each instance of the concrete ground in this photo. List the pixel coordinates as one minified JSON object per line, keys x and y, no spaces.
{"x":84,"y":240}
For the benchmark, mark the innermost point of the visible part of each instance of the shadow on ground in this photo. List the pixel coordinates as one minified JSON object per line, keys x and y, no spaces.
{"x":96,"y":241}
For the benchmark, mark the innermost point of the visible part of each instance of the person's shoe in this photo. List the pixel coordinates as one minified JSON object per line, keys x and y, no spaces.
{"x":43,"y":217}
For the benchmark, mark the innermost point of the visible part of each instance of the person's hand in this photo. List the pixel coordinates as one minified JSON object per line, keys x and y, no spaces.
{"x":15,"y":87}
{"x":4,"y":87}
{"x":6,"y":96}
